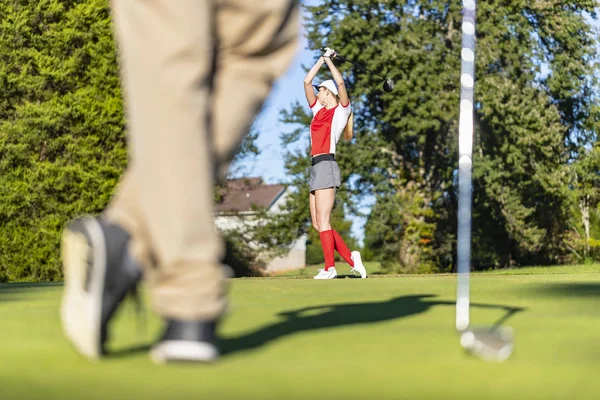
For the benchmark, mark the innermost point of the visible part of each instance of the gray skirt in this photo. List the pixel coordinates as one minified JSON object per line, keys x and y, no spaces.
{"x":324,"y":175}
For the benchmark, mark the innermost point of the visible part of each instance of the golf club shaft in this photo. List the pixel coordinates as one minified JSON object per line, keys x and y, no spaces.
{"x":465,"y":164}
{"x":358,"y":65}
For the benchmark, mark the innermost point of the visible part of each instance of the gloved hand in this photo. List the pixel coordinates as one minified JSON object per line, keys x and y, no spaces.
{"x":329,"y":52}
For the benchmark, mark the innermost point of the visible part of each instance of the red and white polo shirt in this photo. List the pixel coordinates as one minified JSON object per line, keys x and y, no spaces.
{"x":327,"y":127}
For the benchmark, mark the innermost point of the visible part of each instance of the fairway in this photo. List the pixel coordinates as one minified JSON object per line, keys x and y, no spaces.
{"x":386,"y":337}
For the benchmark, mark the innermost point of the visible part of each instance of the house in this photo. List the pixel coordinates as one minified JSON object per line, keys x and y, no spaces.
{"x":236,"y":209}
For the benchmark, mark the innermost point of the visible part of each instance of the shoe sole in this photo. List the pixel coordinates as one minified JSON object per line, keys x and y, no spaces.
{"x":81,"y":309}
{"x":358,"y":262}
{"x":183,"y":351}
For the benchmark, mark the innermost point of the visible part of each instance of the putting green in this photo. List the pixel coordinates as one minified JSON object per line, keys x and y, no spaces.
{"x":387,"y":337}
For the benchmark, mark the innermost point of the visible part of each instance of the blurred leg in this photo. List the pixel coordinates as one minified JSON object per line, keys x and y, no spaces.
{"x":167,"y":60}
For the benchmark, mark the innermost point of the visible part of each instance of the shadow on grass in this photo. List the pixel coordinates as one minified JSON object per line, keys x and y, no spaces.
{"x":572,"y":289}
{"x":28,"y":285}
{"x":336,"y":315}
{"x":323,"y":316}
{"x":329,"y":316}
{"x":19,"y":291}
{"x":128,"y":351}
{"x":378,"y":273}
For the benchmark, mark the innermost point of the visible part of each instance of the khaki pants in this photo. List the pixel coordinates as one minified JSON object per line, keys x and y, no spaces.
{"x":195,"y":74}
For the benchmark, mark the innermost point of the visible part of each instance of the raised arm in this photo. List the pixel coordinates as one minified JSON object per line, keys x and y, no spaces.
{"x":337,"y":76}
{"x":308,"y":86}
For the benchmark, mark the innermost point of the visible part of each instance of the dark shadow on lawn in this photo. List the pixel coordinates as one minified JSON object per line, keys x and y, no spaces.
{"x":26,"y":285}
{"x":335,"y":315}
{"x":328,"y":316}
{"x":128,"y":351}
{"x":18,"y":291}
{"x":572,"y":289}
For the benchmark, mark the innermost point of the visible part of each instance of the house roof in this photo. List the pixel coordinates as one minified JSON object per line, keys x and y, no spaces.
{"x":241,"y":195}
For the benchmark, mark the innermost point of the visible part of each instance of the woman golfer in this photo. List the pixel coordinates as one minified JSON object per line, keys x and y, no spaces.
{"x":332,"y":116}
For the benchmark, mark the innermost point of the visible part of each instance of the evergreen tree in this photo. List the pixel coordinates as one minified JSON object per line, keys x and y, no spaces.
{"x":534,"y":114}
{"x":62,"y":146}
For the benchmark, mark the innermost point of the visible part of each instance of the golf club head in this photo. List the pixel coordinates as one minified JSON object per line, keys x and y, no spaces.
{"x":388,"y":85}
{"x":488,"y":343}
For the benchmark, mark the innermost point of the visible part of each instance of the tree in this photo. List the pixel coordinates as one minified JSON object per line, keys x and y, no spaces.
{"x":530,"y":122}
{"x":533,"y":114}
{"x":62,"y":146}
{"x":586,"y":182}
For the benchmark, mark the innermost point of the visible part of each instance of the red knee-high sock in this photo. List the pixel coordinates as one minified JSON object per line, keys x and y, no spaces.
{"x":342,"y":249}
{"x":328,"y":244}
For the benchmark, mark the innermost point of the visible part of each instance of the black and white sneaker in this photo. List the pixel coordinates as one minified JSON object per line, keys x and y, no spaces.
{"x":99,"y":273}
{"x":186,"y":341}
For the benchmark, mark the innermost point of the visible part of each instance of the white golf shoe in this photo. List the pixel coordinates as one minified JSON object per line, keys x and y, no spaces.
{"x":331,"y":273}
{"x":358,"y":265}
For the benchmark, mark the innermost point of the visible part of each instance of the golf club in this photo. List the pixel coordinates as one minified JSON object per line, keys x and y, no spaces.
{"x":388,"y":84}
{"x":488,"y":343}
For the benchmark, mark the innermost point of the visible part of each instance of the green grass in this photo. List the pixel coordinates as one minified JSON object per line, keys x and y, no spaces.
{"x":290,"y":338}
